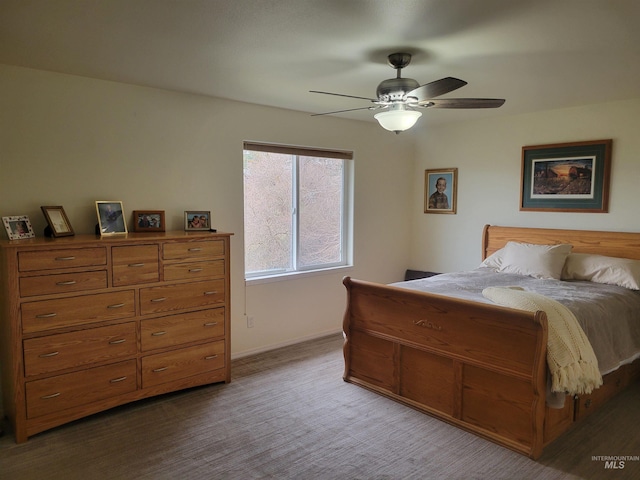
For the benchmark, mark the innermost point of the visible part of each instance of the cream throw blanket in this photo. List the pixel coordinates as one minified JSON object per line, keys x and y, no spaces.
{"x":572,"y":363}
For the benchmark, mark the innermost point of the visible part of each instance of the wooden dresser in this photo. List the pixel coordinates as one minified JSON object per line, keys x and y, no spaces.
{"x":89,"y":323}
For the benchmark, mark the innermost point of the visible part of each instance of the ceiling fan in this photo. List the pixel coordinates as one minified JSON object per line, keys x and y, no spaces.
{"x":398,"y":98}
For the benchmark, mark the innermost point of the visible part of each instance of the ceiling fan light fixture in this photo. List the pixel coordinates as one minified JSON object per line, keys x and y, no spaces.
{"x":397,"y":97}
{"x":398,"y":119}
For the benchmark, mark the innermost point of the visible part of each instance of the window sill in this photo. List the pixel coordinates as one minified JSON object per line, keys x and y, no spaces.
{"x":297,"y":275}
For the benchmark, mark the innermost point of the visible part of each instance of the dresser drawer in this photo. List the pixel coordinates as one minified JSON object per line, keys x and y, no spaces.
{"x":67,"y":350}
{"x":193,"y":250}
{"x":66,"y":312}
{"x":135,"y":264}
{"x":72,"y":257}
{"x":167,"y":367}
{"x":59,"y":393}
{"x":183,"y":296}
{"x":62,"y":283}
{"x":195,"y":270}
{"x":183,"y":328}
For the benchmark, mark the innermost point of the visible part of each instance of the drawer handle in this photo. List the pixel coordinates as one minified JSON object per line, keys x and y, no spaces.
{"x":116,"y":305}
{"x":116,"y":342}
{"x":46,"y":315}
{"x":195,"y":249}
{"x":136,"y":265}
{"x":210,"y":324}
{"x":195,"y":270}
{"x":47,"y":355}
{"x":211,"y":357}
{"x":160,"y":299}
{"x":158,"y":334}
{"x":53,"y":395}
{"x":65,"y":259}
{"x":212,"y":292}
{"x":161,"y":369}
{"x":119,"y":379}
{"x":70,"y":282}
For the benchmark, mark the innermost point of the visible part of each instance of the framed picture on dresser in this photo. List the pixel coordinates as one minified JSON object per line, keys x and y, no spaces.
{"x":148,"y":221}
{"x":58,"y":223}
{"x":200,"y":220}
{"x":18,"y":227}
{"x":111,"y":218}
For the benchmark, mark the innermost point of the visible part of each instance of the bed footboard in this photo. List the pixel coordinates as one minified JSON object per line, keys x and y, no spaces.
{"x":478,"y":366}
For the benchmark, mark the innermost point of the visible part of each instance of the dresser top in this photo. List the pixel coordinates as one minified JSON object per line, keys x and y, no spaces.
{"x":132,"y":237}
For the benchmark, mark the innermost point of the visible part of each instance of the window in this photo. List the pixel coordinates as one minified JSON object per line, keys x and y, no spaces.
{"x":296,"y":209}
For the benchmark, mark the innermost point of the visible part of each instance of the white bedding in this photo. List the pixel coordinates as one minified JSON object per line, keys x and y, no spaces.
{"x":573,"y":365}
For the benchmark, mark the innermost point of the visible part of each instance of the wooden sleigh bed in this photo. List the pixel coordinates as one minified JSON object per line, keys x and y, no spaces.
{"x":479,"y":366}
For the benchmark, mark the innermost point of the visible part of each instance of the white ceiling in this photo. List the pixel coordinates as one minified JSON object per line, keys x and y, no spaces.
{"x":537,"y":54}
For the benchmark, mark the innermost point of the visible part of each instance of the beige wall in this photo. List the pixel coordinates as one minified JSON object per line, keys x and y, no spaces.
{"x":69,"y":141}
{"x":487,"y":154}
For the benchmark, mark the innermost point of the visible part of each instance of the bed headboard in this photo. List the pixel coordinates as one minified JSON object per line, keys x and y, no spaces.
{"x":612,"y":244}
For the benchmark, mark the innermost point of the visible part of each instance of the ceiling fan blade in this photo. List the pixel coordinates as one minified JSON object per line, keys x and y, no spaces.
{"x":342,"y":95}
{"x":464,"y":103}
{"x":436,"y":88}
{"x":342,"y":111}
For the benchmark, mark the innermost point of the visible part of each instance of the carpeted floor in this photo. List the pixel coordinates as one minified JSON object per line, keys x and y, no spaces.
{"x":287,"y":414}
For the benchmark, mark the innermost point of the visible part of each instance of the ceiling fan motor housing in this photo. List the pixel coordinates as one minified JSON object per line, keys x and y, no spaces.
{"x":395,"y":88}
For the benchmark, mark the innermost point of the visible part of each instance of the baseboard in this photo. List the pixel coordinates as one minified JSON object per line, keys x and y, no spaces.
{"x":275,"y":346}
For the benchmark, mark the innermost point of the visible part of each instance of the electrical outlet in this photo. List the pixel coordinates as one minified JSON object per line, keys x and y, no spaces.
{"x":249,"y":321}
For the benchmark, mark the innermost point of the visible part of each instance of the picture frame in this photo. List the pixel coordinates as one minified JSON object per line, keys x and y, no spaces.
{"x":18,"y":227}
{"x":148,"y":221}
{"x":566,"y":177}
{"x":111,"y":219}
{"x":445,"y":200}
{"x":197,"y":220}
{"x":57,"y":220}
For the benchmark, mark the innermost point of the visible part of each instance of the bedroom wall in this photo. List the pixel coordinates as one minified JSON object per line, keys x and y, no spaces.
{"x":69,"y":141}
{"x":487,"y":154}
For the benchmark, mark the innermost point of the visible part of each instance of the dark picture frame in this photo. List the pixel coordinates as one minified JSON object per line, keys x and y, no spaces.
{"x":197,"y":220}
{"x":442,"y":202}
{"x":566,"y":177}
{"x":18,"y":227}
{"x":111,"y":219}
{"x":57,"y":220}
{"x":148,"y":221}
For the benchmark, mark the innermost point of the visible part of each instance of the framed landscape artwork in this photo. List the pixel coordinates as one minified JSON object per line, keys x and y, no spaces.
{"x":566,"y":177}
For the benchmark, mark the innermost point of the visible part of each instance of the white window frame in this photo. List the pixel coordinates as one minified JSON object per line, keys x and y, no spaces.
{"x":347,"y":212}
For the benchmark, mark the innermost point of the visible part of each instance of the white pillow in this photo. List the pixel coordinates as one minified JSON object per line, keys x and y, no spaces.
{"x":538,"y":261}
{"x":623,"y":272}
{"x":494,"y":261}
